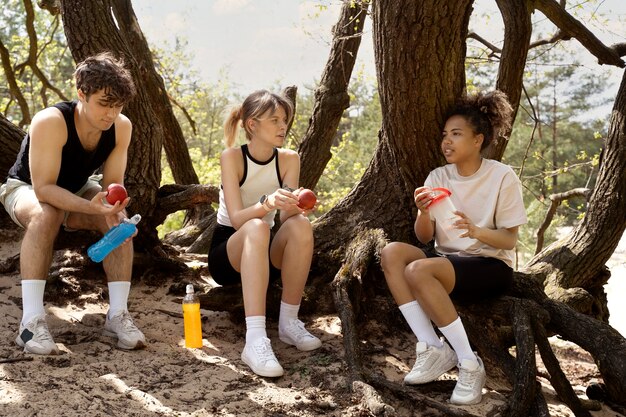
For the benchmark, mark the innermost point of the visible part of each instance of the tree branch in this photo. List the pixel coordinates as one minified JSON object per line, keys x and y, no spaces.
{"x":555,"y":202}
{"x":572,"y":27}
{"x":494,"y":49}
{"x":5,"y":57}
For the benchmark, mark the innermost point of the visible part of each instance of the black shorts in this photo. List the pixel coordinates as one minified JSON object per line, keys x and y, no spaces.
{"x":219,"y":266}
{"x":477,"y":277}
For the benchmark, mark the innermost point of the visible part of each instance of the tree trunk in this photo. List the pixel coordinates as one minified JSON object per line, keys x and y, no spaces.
{"x":174,"y":140}
{"x":10,"y":139}
{"x":331,"y":97}
{"x":517,"y":33}
{"x":417,"y":83}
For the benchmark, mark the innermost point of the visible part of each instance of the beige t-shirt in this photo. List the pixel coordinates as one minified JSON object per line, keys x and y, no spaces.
{"x":491,"y":198}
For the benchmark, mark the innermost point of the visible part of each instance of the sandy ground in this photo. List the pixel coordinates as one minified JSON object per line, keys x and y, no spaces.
{"x":93,"y":378}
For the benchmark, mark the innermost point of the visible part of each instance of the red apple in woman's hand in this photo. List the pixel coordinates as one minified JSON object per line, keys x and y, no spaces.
{"x":306,"y":199}
{"x":115,"y":193}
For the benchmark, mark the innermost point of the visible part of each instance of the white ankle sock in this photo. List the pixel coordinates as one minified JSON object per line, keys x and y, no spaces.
{"x":118,"y":297}
{"x":456,"y":336}
{"x":420,"y":324}
{"x":32,"y":298}
{"x":288,"y":312}
{"x":255,"y":328}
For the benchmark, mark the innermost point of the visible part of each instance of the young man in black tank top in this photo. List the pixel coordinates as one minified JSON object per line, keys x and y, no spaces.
{"x":49,"y":186}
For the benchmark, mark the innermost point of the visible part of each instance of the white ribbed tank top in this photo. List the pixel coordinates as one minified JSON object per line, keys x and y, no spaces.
{"x":258,"y":178}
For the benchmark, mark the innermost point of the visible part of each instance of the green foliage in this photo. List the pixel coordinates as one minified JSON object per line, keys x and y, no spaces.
{"x":556,"y":142}
{"x":53,"y":58}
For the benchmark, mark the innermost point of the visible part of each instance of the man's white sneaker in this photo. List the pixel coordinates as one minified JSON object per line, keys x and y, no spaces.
{"x":430,"y":363}
{"x":469,"y":387}
{"x":128,"y":335}
{"x":259,"y":356}
{"x":296,"y":335}
{"x":35,"y":337}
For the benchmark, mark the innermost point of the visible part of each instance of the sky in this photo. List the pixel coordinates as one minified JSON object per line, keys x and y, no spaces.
{"x":265,"y":43}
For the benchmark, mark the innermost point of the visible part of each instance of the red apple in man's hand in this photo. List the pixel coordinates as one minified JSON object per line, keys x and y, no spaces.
{"x":115,"y":193}
{"x":306,"y":199}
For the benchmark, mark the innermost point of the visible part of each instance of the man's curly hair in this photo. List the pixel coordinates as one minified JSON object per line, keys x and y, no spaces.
{"x":105,"y":72}
{"x":488,"y":113}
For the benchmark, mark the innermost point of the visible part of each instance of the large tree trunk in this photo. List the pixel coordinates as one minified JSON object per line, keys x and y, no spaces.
{"x":331,"y":97}
{"x":417,"y":83}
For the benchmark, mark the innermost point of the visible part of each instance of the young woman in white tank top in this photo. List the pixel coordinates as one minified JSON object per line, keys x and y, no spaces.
{"x":256,"y":181}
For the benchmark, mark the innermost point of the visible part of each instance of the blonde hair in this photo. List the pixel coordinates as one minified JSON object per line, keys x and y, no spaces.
{"x":255,"y":105}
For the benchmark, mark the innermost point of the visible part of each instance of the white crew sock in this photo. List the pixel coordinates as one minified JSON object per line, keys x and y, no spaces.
{"x":32,"y":298}
{"x":255,"y":328}
{"x":288,"y":312}
{"x":420,"y":324}
{"x":118,"y":297}
{"x":455,"y":333}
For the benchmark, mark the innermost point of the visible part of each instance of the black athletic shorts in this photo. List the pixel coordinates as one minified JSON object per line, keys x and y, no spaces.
{"x":219,"y":266}
{"x":477,"y":277}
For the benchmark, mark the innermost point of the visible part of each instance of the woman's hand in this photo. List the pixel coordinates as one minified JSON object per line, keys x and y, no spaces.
{"x":422,"y":197}
{"x":465,"y":223}
{"x":283,"y":199}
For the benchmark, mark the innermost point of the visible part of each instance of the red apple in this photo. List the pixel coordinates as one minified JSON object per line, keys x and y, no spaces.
{"x":115,"y":193}
{"x":306,"y":199}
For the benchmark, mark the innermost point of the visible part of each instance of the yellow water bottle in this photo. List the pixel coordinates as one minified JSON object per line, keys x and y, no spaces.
{"x":191,"y":317}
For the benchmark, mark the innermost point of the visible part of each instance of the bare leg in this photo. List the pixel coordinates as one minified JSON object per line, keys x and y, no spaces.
{"x":394,"y":259}
{"x":247,"y":251}
{"x":431,"y":280}
{"x":291,"y":251}
{"x":42,"y":223}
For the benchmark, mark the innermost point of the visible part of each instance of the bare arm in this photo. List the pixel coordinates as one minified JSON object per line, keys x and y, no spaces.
{"x":505,"y":238}
{"x":424,"y":227}
{"x":288,"y":201}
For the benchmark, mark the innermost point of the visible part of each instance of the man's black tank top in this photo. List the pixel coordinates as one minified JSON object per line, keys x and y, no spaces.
{"x":77,"y":164}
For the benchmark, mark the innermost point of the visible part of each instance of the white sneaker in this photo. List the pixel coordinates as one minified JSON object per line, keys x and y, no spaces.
{"x":430,"y":363}
{"x":128,"y":335}
{"x":259,"y":356}
{"x":469,"y":387}
{"x":296,"y":335}
{"x":35,"y":337}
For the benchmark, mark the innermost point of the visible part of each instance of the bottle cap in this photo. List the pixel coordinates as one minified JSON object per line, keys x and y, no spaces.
{"x":189,"y":288}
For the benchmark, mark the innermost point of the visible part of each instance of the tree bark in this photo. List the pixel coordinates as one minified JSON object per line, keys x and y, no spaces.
{"x":10,"y":139}
{"x":517,"y":33}
{"x":331,"y":97}
{"x":174,"y":140}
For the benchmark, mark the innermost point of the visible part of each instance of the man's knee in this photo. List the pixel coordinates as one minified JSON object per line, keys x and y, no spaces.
{"x":45,"y":219}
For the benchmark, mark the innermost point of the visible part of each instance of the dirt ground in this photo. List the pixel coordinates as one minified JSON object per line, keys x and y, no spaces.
{"x":93,"y":378}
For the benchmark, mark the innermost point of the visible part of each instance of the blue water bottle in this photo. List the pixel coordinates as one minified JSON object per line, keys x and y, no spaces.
{"x":113,"y":238}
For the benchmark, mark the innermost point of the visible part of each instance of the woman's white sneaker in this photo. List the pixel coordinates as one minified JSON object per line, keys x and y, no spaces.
{"x":430,"y":363}
{"x":296,"y":335}
{"x":469,"y":387}
{"x":259,"y":356}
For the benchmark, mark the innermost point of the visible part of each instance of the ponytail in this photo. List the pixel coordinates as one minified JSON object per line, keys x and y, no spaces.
{"x":255,"y":105}
{"x":231,"y":126}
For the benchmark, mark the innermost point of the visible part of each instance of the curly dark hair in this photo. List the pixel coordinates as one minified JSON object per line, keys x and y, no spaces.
{"x":105,"y":72}
{"x":488,"y":113}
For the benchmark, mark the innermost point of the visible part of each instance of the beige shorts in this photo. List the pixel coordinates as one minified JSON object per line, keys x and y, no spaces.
{"x":13,"y":190}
